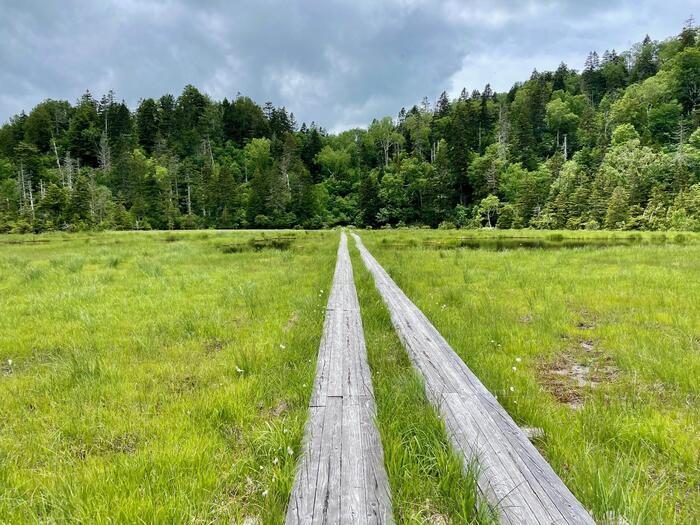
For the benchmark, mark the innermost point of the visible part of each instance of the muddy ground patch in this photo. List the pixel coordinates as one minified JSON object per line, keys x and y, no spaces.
{"x":575,"y":371}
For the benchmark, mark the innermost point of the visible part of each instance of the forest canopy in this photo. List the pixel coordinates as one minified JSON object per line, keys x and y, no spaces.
{"x":615,"y":146}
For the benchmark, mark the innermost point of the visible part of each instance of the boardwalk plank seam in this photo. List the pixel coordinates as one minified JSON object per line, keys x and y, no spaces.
{"x":512,"y":474}
{"x":341,"y":477}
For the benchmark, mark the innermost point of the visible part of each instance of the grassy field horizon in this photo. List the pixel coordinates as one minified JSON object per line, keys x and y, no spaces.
{"x":164,"y":376}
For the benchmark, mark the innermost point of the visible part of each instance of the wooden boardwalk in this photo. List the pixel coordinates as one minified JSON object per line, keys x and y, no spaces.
{"x":341,"y":477}
{"x":512,"y":474}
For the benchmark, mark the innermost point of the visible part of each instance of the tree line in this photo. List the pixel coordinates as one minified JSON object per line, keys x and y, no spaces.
{"x":616,"y":145}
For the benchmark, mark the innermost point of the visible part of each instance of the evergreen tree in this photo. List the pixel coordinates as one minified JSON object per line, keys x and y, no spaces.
{"x":462,"y":143}
{"x":147,"y":124}
{"x":311,"y":146}
{"x":368,"y":200}
{"x":645,"y":63}
{"x":442,"y":108}
{"x":618,"y":209}
{"x":83,"y":135}
{"x":166,"y":116}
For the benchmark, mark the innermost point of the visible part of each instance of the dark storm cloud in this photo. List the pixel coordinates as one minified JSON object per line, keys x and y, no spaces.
{"x":338,"y":63}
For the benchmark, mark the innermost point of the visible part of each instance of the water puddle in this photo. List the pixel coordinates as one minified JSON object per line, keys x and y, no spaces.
{"x":553,"y":242}
{"x":256,"y":245}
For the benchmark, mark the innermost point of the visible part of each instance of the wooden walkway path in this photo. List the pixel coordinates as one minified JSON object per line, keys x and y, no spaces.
{"x":341,"y":477}
{"x":513,"y":476}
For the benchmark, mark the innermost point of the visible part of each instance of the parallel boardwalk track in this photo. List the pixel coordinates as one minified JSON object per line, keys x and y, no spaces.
{"x":341,"y":477}
{"x":512,"y":475}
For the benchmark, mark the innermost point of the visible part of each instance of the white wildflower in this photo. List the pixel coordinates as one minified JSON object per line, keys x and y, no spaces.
{"x":282,"y":346}
{"x":290,"y":452}
{"x":517,"y":359}
{"x":275,"y":461}
{"x":514,"y":369}
{"x":9,"y":362}
{"x":512,"y":389}
{"x":239,"y":370}
{"x":264,"y":493}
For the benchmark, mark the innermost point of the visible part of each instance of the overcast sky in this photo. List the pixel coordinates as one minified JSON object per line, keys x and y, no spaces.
{"x":337,"y":63}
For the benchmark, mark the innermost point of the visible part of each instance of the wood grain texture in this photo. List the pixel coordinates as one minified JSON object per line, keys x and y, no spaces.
{"x":512,"y":475}
{"x":341,"y":477}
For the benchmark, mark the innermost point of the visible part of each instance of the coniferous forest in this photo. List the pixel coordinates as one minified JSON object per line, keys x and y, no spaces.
{"x":613,"y":146}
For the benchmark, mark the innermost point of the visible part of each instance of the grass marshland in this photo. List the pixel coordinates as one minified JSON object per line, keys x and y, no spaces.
{"x":164,"y":377}
{"x":156,"y":377}
{"x":599,"y":346}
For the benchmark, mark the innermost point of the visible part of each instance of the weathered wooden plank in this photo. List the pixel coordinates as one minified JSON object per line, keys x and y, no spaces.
{"x":353,"y":497}
{"x":512,"y":474}
{"x":341,"y":477}
{"x":376,"y":482}
{"x":301,"y":502}
{"x":327,"y":488}
{"x":323,"y":362}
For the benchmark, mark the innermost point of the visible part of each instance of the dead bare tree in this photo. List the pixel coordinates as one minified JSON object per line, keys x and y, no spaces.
{"x":69,"y":168}
{"x":105,"y":153}
{"x":21,"y":184}
{"x":189,"y":198}
{"x":92,"y":190}
{"x":503,"y":133}
{"x":31,"y":198}
{"x":58,"y":160}
{"x":27,"y":193}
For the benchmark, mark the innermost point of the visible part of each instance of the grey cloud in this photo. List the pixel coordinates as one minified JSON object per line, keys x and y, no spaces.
{"x":337,"y":63}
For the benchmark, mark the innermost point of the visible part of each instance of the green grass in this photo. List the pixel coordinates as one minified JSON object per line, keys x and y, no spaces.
{"x":427,"y":480}
{"x":626,"y":439}
{"x":165,"y":377}
{"x":156,"y":377}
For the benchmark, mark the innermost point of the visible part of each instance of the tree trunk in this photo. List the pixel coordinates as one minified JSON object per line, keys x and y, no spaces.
{"x":211,"y":155}
{"x":22,"y":187}
{"x":58,"y":161}
{"x":31,"y":198}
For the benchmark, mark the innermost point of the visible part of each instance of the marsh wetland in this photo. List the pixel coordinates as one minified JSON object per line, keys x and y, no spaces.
{"x":165,"y":377}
